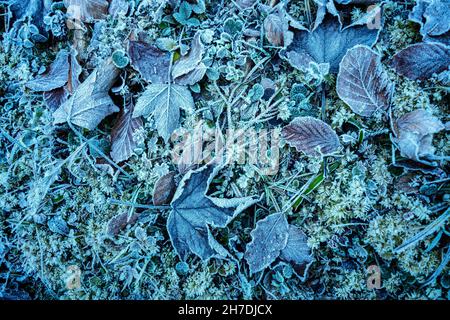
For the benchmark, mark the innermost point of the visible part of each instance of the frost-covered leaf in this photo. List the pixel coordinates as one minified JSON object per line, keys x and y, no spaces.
{"x":297,"y":249}
{"x":433,"y":17}
{"x":58,"y":225}
{"x":312,"y":136}
{"x":164,"y":101}
{"x":86,"y":10}
{"x":189,"y":69}
{"x":55,"y":77}
{"x":122,"y":142}
{"x":268,"y":239}
{"x":59,"y":80}
{"x":164,"y":189}
{"x":420,"y":61}
{"x":437,"y":16}
{"x":34,"y":10}
{"x":276,"y":27}
{"x":54,"y":98}
{"x":118,"y":7}
{"x":152,"y":63}
{"x":91,"y":102}
{"x":119,"y":222}
{"x":362,"y":82}
{"x":193,"y":212}
{"x":415,"y":131}
{"x":192,"y":77}
{"x":327,"y":43}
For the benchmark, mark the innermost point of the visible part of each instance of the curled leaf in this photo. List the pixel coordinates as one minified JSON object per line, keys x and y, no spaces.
{"x":268,"y":239}
{"x":362,"y":83}
{"x":190,"y":69}
{"x":194,"y":213}
{"x":420,"y":61}
{"x":276,"y":29}
{"x":152,"y":63}
{"x":415,"y":131}
{"x":312,"y":136}
{"x":91,"y":102}
{"x":164,"y":101}
{"x":122,"y":142}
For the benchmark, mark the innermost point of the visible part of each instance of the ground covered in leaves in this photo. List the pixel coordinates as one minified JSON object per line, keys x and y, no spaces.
{"x":247,"y":149}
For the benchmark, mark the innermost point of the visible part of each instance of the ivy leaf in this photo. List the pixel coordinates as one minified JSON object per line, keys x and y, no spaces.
{"x":312,"y":136}
{"x":362,"y":82}
{"x":415,"y":131}
{"x":193,"y":213}
{"x":327,"y":43}
{"x":86,"y":10}
{"x":268,"y":239}
{"x":152,"y":63}
{"x":420,"y":61}
{"x":297,"y":249}
{"x":163,"y":102}
{"x":90,"y":103}
{"x":122,"y":142}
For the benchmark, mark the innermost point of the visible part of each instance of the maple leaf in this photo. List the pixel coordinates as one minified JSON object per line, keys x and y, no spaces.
{"x":164,"y":101}
{"x":194,"y":213}
{"x":327,"y":43}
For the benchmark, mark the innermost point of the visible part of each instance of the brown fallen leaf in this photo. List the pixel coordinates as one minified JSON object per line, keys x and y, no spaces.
{"x":421,"y":60}
{"x":152,"y":63}
{"x":60,"y":79}
{"x":414,"y":132}
{"x":164,"y":189}
{"x":120,"y":222}
{"x":312,"y":136}
{"x":362,"y":82}
{"x":122,"y":142}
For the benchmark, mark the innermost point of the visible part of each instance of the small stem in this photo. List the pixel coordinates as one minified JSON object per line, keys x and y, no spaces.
{"x":324,"y":103}
{"x":136,"y":205}
{"x":100,"y":152}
